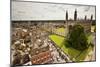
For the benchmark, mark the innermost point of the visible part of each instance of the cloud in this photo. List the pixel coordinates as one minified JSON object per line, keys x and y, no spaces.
{"x":48,"y":11}
{"x":87,"y":8}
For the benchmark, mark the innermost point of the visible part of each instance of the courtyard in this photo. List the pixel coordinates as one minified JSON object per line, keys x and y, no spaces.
{"x":75,"y":55}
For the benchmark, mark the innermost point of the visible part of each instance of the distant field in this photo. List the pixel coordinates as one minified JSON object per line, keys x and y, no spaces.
{"x":74,"y":54}
{"x":61,"y":30}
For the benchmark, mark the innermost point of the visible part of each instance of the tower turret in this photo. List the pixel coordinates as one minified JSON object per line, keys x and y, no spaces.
{"x":75,"y":14}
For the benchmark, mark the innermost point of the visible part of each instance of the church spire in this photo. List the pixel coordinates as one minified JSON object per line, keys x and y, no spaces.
{"x":91,"y":17}
{"x":85,"y":18}
{"x":66,"y":15}
{"x":75,"y":14}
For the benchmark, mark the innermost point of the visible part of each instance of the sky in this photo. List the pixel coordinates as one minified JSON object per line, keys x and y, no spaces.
{"x":21,"y":10}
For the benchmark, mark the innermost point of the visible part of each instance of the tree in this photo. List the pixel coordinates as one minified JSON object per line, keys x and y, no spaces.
{"x":77,"y":38}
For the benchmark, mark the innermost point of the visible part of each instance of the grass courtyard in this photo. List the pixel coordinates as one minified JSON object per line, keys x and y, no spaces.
{"x":60,"y":30}
{"x":74,"y":54}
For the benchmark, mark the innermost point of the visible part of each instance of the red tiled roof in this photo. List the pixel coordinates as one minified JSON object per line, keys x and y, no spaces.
{"x":41,"y":57}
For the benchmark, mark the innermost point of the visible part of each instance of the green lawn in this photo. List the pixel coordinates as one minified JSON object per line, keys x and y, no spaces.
{"x":70,"y":51}
{"x":60,"y":30}
{"x":73,"y":53}
{"x":93,"y":28}
{"x":57,"y":39}
{"x":83,"y":54}
{"x":89,"y":37}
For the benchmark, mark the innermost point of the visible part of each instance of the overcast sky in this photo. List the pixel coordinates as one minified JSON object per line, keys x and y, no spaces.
{"x":48,"y":11}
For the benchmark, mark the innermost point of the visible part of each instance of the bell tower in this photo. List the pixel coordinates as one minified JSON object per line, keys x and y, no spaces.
{"x":66,"y":21}
{"x":75,"y":15}
{"x":66,"y":15}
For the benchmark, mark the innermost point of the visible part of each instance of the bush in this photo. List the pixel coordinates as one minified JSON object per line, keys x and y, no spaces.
{"x":77,"y":38}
